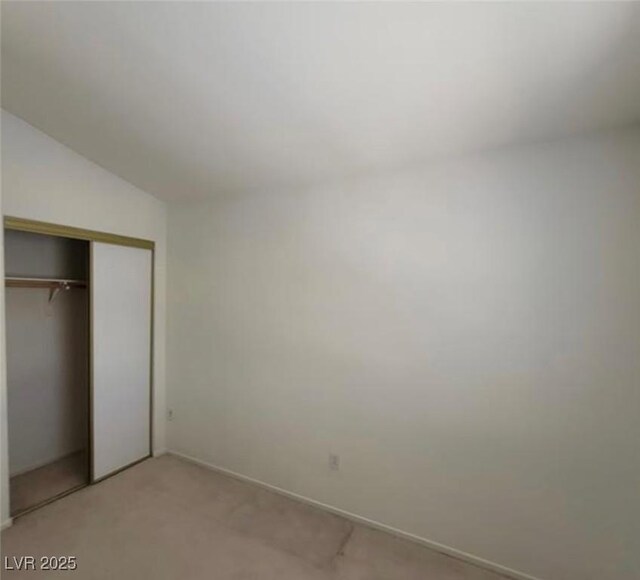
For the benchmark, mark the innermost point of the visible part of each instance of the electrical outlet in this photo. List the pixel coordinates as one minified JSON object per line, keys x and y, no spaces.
{"x":334,"y":462}
{"x":169,"y":414}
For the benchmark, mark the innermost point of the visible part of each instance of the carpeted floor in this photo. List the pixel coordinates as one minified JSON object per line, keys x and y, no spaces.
{"x":167,"y":519}
{"x":37,"y":485}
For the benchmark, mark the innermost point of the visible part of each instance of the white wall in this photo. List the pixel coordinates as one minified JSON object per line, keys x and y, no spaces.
{"x":4,"y":449}
{"x":44,"y":180}
{"x":47,"y":350}
{"x":465,"y":336}
{"x":47,"y":375}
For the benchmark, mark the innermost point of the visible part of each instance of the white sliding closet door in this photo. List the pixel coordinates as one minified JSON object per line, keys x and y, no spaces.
{"x":121,"y":356}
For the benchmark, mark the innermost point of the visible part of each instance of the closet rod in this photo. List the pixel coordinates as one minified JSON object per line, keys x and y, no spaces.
{"x":20,"y":282}
{"x":55,"y":285}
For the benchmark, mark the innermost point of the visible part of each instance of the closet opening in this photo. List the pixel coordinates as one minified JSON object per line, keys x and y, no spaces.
{"x":48,"y":366}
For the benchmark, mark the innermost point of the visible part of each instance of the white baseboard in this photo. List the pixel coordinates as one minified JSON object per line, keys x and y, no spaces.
{"x":492,"y":566}
{"x":6,"y":524}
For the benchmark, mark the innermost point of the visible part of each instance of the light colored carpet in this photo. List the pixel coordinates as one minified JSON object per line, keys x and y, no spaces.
{"x":38,"y":485}
{"x":167,"y":519}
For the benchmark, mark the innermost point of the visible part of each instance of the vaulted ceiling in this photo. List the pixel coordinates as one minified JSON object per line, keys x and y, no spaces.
{"x":188,"y":100}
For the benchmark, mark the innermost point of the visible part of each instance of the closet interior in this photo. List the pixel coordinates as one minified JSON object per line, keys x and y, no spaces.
{"x":79,"y":324}
{"x":48,"y":376}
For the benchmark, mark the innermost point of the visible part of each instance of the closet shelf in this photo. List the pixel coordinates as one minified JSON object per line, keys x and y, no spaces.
{"x":54,"y":285}
{"x":51,"y":283}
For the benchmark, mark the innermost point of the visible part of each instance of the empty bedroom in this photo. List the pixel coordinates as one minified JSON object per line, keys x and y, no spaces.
{"x":320,"y":290}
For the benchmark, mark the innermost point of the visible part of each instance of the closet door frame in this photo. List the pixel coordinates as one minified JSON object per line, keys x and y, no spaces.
{"x":49,"y":229}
